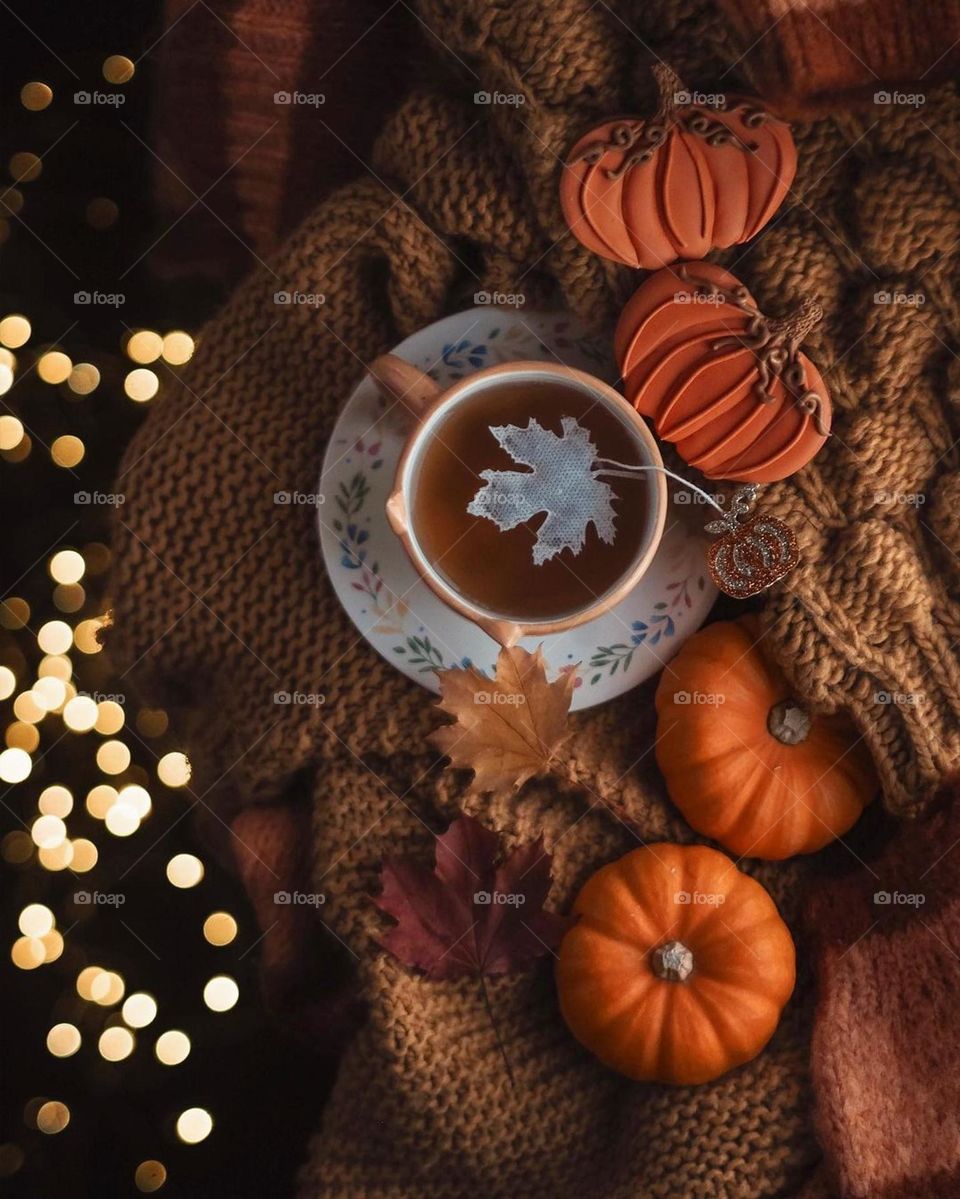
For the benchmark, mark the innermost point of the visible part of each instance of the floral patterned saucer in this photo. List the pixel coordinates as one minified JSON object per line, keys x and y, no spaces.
{"x":383,"y":594}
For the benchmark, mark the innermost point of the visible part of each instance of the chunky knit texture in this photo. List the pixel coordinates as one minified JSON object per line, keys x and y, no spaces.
{"x":222,"y":599}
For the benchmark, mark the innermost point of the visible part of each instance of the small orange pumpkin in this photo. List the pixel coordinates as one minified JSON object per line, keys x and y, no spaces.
{"x":744,"y":762}
{"x":678,"y":967}
{"x":726,"y":384}
{"x":693,"y":178}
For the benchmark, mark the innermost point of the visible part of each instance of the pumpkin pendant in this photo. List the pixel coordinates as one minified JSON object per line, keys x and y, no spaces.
{"x":692,"y":178}
{"x":726,"y":384}
{"x":751,"y":557}
{"x":678,"y":967}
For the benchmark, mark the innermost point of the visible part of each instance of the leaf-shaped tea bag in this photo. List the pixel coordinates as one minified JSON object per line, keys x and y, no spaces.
{"x":561,"y":483}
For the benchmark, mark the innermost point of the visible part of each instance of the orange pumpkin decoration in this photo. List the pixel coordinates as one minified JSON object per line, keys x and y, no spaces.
{"x":678,"y":967}
{"x":695,"y":177}
{"x":728,"y":386}
{"x":744,"y":762}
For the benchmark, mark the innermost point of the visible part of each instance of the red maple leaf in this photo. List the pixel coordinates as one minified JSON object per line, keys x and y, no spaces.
{"x":470,"y":915}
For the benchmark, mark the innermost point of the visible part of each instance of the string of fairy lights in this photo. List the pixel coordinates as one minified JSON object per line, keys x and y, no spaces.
{"x":46,"y":708}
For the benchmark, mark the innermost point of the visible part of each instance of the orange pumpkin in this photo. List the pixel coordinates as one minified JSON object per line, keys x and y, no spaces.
{"x":678,"y":967}
{"x":744,"y":762}
{"x":719,"y":379}
{"x":693,"y":178}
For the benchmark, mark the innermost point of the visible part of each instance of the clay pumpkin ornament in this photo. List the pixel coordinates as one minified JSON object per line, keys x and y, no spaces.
{"x":692,"y":178}
{"x":726,"y":384}
{"x":678,"y":967}
{"x":746,"y":763}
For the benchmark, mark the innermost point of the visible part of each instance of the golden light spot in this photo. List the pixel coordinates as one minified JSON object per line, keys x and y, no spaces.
{"x":144,"y":346}
{"x":15,"y":765}
{"x":8,"y":681}
{"x":122,"y":820}
{"x":69,"y":597}
{"x":178,"y":347}
{"x":67,"y":566}
{"x":25,"y":166}
{"x":55,"y":800}
{"x":53,"y":1117}
{"x":58,"y":858}
{"x":63,"y":1040}
{"x":27,"y":953}
{"x":184,"y":870}
{"x":150,"y":1176}
{"x":67,"y":451}
{"x":26,"y":708}
{"x":6,"y":382}
{"x":221,"y":993}
{"x":219,"y":928}
{"x":52,"y":945}
{"x":172,"y":1047}
{"x":54,"y":367}
{"x":80,"y":713}
{"x":11,"y":1159}
{"x":194,"y":1125}
{"x":136,"y":797}
{"x":107,"y":988}
{"x":101,"y":212}
{"x":11,"y":430}
{"x":35,"y":96}
{"x":19,"y":453}
{"x":47,"y":831}
{"x":17,"y":847}
{"x":173,"y":770}
{"x":118,"y":69}
{"x":22,"y":736}
{"x":15,"y":331}
{"x":113,"y":757}
{"x":35,"y":920}
{"x":11,"y":201}
{"x":152,"y":722}
{"x":49,"y":693}
{"x":101,"y":799}
{"x":139,"y":1009}
{"x":116,"y":1043}
{"x":84,"y":855}
{"x":55,"y":637}
{"x":85,"y":635}
{"x":110,"y":717}
{"x":84,"y":378}
{"x":141,"y":385}
{"x":14,"y":612}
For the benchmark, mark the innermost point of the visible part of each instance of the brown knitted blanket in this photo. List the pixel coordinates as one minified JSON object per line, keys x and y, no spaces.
{"x":222,"y":598}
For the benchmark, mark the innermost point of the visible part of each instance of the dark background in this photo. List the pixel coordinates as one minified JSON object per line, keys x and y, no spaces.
{"x":263,"y":1087}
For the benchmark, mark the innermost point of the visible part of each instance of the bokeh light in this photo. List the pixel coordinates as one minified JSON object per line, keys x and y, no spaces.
{"x":184,"y":870}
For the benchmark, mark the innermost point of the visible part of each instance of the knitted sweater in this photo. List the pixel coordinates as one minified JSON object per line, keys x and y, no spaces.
{"x":221,"y":596}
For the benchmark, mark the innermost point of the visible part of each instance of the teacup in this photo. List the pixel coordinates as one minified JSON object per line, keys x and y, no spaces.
{"x":476,"y":569}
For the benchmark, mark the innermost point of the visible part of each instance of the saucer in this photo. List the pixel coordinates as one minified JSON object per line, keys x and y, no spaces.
{"x":384,"y":596}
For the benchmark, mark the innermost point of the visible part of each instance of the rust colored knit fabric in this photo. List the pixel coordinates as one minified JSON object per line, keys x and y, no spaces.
{"x":222,"y":594}
{"x":886,"y":1051}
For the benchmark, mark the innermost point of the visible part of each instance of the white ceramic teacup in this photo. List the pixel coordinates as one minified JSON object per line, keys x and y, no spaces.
{"x":430,"y":406}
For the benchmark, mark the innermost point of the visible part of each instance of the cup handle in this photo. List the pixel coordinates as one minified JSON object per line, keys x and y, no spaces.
{"x":401,"y":381}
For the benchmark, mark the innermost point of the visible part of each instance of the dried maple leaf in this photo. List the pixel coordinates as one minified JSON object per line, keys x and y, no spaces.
{"x":506,"y":729}
{"x":470,"y":915}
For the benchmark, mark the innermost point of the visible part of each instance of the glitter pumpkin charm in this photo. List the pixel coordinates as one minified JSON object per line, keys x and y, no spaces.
{"x":726,"y":384}
{"x":750,"y":557}
{"x":692,"y":178}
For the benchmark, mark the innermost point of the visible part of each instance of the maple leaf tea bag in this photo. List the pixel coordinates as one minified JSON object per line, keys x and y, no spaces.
{"x":475,"y":506}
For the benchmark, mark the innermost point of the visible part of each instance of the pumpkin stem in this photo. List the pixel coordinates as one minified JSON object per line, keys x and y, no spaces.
{"x":669,"y":85}
{"x":673,"y":962}
{"x":788,"y":722}
{"x":791,"y":329}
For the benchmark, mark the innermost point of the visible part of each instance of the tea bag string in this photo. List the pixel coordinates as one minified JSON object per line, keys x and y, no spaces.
{"x":625,"y":470}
